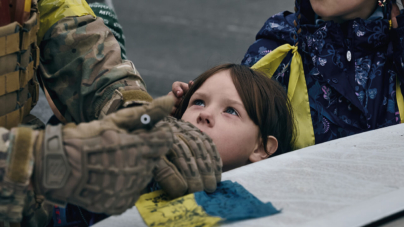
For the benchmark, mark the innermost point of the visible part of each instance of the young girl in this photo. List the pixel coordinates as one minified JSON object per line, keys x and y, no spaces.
{"x":342,"y":65}
{"x":247,"y":115}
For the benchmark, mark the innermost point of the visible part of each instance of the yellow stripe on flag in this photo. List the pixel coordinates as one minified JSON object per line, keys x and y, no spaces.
{"x":158,"y":210}
{"x":297,"y":91}
{"x":400,"y":100}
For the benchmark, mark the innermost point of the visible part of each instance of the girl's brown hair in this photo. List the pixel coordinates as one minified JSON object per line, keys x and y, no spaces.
{"x":265,"y":101}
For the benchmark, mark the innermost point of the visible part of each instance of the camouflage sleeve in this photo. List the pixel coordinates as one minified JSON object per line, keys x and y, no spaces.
{"x":16,"y":166}
{"x":4,"y":144}
{"x":82,"y":69}
{"x":4,"y":137}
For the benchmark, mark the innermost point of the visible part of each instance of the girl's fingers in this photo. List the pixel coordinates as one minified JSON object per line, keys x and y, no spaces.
{"x":395,"y":11}
{"x":179,"y":89}
{"x":176,"y":89}
{"x":185,"y":87}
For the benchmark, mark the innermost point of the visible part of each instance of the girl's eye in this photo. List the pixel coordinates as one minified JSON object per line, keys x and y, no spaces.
{"x":232,"y":111}
{"x":199,"y":102}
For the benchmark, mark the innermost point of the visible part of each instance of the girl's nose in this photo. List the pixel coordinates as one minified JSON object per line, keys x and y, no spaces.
{"x":206,"y":118}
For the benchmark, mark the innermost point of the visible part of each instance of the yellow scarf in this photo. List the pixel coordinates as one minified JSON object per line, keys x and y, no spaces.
{"x":400,"y":101}
{"x":297,"y":92}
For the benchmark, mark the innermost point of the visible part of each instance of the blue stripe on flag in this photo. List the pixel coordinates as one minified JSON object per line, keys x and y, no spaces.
{"x":233,"y":202}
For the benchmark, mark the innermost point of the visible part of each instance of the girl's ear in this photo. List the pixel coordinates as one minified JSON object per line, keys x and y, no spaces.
{"x":259,"y":152}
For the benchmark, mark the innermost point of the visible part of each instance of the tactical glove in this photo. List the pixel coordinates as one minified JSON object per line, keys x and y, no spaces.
{"x":101,"y":165}
{"x":192,"y":164}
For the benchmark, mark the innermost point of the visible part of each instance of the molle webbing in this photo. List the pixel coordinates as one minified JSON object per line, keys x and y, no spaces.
{"x":19,"y":59}
{"x":10,"y":43}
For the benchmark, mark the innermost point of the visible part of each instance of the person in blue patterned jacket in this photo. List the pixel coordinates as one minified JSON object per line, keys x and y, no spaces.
{"x":352,"y":53}
{"x":352,"y":64}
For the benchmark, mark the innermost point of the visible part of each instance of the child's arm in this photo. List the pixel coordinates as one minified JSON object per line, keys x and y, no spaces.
{"x":179,"y":89}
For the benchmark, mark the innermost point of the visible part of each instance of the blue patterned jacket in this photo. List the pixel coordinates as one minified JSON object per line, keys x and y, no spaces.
{"x":350,"y":68}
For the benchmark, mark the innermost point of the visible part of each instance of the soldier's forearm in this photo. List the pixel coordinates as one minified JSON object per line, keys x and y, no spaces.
{"x":126,"y":92}
{"x":82,"y":69}
{"x":101,"y":165}
{"x":16,"y":166}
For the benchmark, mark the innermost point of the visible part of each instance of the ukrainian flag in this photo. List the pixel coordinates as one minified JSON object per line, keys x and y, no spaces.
{"x":230,"y":202}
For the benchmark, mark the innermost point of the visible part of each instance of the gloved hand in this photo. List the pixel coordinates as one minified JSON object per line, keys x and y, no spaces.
{"x":101,"y":165}
{"x":192,"y":164}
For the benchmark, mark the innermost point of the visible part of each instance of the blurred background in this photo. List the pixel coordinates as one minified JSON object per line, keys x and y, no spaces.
{"x":176,"y":40}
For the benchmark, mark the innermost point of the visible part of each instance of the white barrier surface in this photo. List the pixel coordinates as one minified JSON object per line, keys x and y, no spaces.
{"x":352,"y":181}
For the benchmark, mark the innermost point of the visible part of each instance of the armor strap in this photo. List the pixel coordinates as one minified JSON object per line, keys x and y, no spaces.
{"x":16,"y":80}
{"x":9,"y":44}
{"x":12,"y":119}
{"x":37,"y":57}
{"x":19,"y":85}
{"x":29,"y":37}
{"x":20,"y":169}
{"x":27,"y":74}
{"x":9,"y":82}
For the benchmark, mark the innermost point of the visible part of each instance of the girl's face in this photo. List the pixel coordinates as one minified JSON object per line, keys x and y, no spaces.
{"x":343,"y":10}
{"x":216,"y":109}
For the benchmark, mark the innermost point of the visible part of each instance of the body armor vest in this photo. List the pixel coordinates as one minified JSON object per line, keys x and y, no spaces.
{"x":19,"y":59}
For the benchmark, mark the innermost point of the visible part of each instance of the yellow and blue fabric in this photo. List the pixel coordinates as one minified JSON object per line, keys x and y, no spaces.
{"x":51,"y":11}
{"x":297,"y":91}
{"x":230,"y":202}
{"x":298,"y":94}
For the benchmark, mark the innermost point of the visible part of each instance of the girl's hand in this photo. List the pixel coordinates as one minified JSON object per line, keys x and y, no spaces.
{"x":179,"y":89}
{"x":395,"y":11}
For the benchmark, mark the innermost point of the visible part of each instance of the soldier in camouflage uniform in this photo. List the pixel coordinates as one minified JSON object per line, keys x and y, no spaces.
{"x":102,"y":165}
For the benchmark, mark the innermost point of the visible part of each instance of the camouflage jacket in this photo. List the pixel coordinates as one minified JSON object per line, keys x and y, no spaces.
{"x":83,"y":72}
{"x":82,"y":69}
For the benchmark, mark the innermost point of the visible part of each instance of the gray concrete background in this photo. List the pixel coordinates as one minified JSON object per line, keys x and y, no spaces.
{"x":179,"y":39}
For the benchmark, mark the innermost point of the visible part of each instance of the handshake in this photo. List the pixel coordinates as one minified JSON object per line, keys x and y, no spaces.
{"x":104,"y":165}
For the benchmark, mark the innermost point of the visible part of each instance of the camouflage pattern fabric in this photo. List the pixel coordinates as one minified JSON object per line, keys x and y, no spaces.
{"x":4,"y":144}
{"x":12,"y":193}
{"x":82,"y":69}
{"x":192,"y":164}
{"x":111,"y":21}
{"x":36,"y":212}
{"x":106,"y":163}
{"x":111,"y":160}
